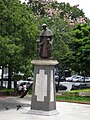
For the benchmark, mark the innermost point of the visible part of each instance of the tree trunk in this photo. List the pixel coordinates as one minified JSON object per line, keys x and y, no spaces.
{"x":2,"y":78}
{"x":9,"y":76}
{"x":15,"y":84}
{"x":1,"y":81}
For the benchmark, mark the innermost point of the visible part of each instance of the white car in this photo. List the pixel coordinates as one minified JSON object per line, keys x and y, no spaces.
{"x":23,"y":81}
{"x":74,"y":78}
{"x":87,"y":79}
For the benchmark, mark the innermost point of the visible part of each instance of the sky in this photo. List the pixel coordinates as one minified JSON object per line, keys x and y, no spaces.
{"x":83,"y":4}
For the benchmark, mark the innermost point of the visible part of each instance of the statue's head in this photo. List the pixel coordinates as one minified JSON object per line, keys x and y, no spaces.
{"x":47,"y":32}
{"x":44,"y":26}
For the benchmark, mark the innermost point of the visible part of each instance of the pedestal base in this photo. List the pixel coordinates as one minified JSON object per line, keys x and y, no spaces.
{"x":43,"y":113}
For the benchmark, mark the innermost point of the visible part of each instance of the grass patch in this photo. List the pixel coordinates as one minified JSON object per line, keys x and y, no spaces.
{"x":84,"y":99}
{"x":80,"y":90}
{"x":7,"y":92}
{"x":73,"y":96}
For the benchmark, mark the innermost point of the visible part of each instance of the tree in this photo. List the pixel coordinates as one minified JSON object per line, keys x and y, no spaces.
{"x":18,"y":32}
{"x":80,"y":46}
{"x":42,"y":8}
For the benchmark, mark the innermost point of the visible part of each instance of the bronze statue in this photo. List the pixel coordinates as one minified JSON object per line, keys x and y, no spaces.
{"x":45,"y":42}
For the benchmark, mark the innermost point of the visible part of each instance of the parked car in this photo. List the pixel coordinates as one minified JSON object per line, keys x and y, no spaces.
{"x":84,"y":79}
{"x":79,"y":85}
{"x":30,"y":78}
{"x":23,"y":81}
{"x":87,"y":79}
{"x":74,"y":78}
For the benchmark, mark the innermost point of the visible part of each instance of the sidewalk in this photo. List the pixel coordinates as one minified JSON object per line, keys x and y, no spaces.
{"x":67,"y":111}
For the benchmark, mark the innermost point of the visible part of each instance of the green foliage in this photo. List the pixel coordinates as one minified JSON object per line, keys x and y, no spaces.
{"x":18,"y":32}
{"x":80,"y":46}
{"x":61,"y":37}
{"x":7,"y":92}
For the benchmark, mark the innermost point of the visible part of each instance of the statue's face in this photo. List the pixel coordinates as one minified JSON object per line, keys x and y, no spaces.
{"x":44,"y":27}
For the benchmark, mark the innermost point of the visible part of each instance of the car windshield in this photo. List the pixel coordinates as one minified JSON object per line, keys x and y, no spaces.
{"x":76,"y":76}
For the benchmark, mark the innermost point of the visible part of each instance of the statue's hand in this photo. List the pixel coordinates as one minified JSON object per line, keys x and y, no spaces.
{"x":37,"y":41}
{"x":51,"y":42}
{"x":48,"y":39}
{"x":40,"y":43}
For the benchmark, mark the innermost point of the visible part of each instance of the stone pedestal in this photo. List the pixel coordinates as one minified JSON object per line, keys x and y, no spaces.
{"x":43,"y":94}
